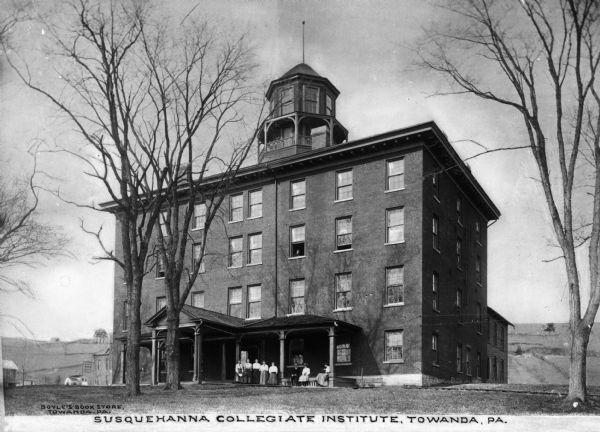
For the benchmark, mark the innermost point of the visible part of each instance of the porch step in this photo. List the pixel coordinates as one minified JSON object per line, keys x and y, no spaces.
{"x":342,"y":381}
{"x":375,"y":381}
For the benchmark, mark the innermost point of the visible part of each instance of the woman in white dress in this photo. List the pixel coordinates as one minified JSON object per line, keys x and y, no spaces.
{"x":264,"y":373}
{"x":273,"y":374}
{"x":303,"y":380}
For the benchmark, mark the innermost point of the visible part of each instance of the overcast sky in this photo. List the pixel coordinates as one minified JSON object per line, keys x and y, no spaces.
{"x":363,"y":47}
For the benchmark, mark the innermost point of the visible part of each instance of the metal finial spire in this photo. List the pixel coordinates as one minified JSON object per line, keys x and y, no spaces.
{"x":303,"y":22}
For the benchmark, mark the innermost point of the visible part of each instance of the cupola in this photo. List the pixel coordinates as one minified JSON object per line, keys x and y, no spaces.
{"x":301,"y":115}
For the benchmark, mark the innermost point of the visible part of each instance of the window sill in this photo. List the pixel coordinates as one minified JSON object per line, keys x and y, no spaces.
{"x":459,"y":268}
{"x":254,"y":217}
{"x":436,"y":198}
{"x":437,"y":365}
{"x":235,"y":267}
{"x":296,"y":209}
{"x":459,"y":223}
{"x":460,"y":323}
{"x":393,"y":305}
{"x":343,"y":364}
{"x":343,"y":250}
{"x":253,"y":264}
{"x":478,"y":243}
{"x":393,"y":243}
{"x":393,"y":361}
{"x":252,"y":319}
{"x":197,"y":229}
{"x":294,"y":314}
{"x":394,"y":190}
{"x":436,"y":310}
{"x":235,"y":221}
{"x":478,"y":283}
{"x":479,"y":332}
{"x":437,"y":250}
{"x":343,"y":200}
{"x":346,"y":309}
{"x":297,"y":257}
{"x":159,"y":277}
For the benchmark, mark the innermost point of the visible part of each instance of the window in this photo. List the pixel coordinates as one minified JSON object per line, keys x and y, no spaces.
{"x":434,"y":349}
{"x":160,"y":265}
{"x":459,"y":301}
{"x":435,"y":288}
{"x":197,"y":254}
{"x":328,"y":105}
{"x":198,"y":299}
{"x":343,"y":291}
{"x":236,"y":245}
{"x":479,"y":325}
{"x":255,"y":248}
{"x":459,"y":253}
{"x":297,"y":194}
{"x":495,"y":368}
{"x":501,"y":337}
{"x":395,"y":175}
{"x":255,"y":203}
{"x":311,"y":100}
{"x":394,"y":283}
{"x":459,"y":358}
{"x":297,"y":296}
{"x":161,"y":302}
{"x":343,"y":353}
{"x":394,"y":225}
{"x":236,"y":207}
{"x":297,"y":241}
{"x":478,"y":366}
{"x":125,"y":315}
{"x":343,"y":185}
{"x":162,"y":223}
{"x":500,"y":370}
{"x":234,"y":306}
{"x":287,"y":100}
{"x":343,"y":233}
{"x":468,"y":361}
{"x":199,"y":216}
{"x":435,"y":182}
{"x":478,"y":269}
{"x":393,"y":345}
{"x":478,"y":231}
{"x":495,"y":334}
{"x":436,"y":233}
{"x":254,"y":301}
{"x":459,"y":211}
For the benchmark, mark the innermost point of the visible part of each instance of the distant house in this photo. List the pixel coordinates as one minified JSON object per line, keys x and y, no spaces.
{"x":101,"y":373}
{"x":9,"y":373}
{"x":497,"y":349}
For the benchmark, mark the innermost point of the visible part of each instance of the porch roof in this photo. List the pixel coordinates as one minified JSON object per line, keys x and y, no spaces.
{"x":240,"y":325}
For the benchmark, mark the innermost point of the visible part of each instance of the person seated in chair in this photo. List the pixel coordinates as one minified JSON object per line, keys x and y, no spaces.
{"x":305,"y":375}
{"x":323,"y":377}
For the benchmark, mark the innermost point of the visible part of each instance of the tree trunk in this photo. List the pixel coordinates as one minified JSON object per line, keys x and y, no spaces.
{"x":577,"y":365}
{"x":132,"y":361}
{"x":172,"y":351}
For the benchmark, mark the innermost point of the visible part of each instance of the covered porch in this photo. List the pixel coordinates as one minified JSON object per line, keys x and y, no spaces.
{"x":211,"y":344}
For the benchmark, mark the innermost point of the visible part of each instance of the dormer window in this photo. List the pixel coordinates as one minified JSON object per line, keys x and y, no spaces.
{"x":311,"y":99}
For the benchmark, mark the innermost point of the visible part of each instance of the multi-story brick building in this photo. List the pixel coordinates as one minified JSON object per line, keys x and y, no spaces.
{"x":369,"y":255}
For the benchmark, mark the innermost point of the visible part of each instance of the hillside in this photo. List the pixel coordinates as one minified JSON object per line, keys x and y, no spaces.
{"x":545,"y":356}
{"x":49,"y":362}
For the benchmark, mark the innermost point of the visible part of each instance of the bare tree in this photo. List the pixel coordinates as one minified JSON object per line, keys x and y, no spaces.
{"x":543,"y":59}
{"x":198,"y":86}
{"x":150,"y":99}
{"x":24,"y":240}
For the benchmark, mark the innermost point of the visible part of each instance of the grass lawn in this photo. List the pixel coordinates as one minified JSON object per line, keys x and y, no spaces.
{"x":473,"y":399}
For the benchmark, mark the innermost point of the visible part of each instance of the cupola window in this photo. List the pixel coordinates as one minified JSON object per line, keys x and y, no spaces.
{"x":311,"y":100}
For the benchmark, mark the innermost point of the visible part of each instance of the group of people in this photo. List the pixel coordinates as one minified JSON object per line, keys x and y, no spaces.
{"x":301,"y":378}
{"x":256,"y":373}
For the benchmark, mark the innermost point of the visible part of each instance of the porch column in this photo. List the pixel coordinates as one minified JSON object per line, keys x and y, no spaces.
{"x":153,"y":380}
{"x":282,"y":352}
{"x":223,"y":363}
{"x":198,"y":355}
{"x":237,"y":348}
{"x":331,"y":355}
{"x":123,"y":350}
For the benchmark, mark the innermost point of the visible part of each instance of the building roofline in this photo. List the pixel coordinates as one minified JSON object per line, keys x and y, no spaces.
{"x":417,"y":131}
{"x":498,"y":316}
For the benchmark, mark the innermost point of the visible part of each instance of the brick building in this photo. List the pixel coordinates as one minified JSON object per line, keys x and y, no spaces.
{"x":369,"y":255}
{"x":497,"y":349}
